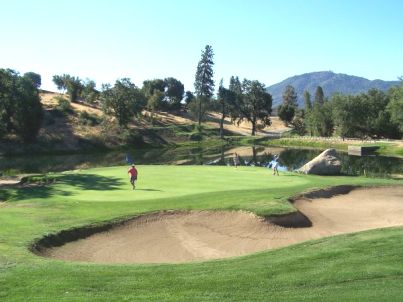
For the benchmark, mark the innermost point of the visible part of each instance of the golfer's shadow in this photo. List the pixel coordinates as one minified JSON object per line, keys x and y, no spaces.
{"x":150,"y":190}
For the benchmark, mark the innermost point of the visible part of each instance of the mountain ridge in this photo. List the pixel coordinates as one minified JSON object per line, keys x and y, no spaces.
{"x":329,"y":81}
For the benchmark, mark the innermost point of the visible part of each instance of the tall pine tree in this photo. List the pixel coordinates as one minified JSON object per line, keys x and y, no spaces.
{"x":286,"y":111}
{"x":319,"y":96}
{"x":307,"y":101}
{"x":204,"y":83}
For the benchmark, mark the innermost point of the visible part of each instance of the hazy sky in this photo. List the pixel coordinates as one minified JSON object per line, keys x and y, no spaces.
{"x":256,"y":39}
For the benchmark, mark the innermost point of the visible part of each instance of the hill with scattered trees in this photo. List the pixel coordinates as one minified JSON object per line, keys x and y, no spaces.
{"x":330,"y":82}
{"x":82,"y":117}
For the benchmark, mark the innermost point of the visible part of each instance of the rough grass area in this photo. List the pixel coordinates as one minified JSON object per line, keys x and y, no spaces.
{"x":354,"y":267}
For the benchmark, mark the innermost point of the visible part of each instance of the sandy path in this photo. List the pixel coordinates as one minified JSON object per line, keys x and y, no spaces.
{"x":192,"y":236}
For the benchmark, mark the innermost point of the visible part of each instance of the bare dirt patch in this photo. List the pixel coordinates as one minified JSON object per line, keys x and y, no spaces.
{"x":184,"y":236}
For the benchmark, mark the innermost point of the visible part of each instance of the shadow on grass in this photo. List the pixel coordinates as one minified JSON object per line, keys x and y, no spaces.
{"x":75,"y":181}
{"x":150,"y":190}
{"x":91,"y":182}
{"x":4,"y":195}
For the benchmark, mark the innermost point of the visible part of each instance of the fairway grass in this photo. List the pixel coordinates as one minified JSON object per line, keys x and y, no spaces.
{"x":361,"y":266}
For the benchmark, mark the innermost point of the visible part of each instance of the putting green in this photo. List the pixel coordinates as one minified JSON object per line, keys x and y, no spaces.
{"x":98,"y":195}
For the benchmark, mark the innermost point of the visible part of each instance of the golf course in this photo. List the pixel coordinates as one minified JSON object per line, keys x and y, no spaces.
{"x":225,"y":233}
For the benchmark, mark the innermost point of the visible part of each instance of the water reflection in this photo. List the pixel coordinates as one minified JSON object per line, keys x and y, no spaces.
{"x":293,"y":159}
{"x":289,"y":160}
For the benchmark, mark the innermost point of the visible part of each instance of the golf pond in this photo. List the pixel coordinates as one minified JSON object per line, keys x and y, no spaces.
{"x":196,"y":228}
{"x":290,"y":159}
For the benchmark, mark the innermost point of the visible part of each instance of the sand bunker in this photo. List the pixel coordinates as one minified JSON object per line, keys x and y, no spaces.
{"x":175,"y":237}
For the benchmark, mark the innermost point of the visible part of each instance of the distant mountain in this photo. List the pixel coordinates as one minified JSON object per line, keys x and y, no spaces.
{"x":330,"y":82}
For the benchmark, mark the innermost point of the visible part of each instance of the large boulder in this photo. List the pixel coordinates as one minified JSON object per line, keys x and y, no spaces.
{"x":326,"y":163}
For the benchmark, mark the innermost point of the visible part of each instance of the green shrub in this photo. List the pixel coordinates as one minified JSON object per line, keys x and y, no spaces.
{"x":64,"y":105}
{"x":133,"y":138}
{"x":85,"y":118}
{"x":4,"y":195}
{"x":10,"y":172}
{"x":38,"y":179}
{"x":196,"y":136}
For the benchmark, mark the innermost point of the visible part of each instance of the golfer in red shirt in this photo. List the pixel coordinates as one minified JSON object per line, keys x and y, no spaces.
{"x":133,"y":176}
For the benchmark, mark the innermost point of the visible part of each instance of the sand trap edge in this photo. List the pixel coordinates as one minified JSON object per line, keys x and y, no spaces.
{"x":82,"y":232}
{"x":290,"y":220}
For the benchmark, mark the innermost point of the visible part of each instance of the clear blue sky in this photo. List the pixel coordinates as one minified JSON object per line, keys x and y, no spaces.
{"x":256,"y":39}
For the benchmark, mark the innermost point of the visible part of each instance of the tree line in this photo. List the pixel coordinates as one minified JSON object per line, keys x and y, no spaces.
{"x":374,"y":114}
{"x":21,"y":111}
{"x":246,"y":100}
{"x":124,"y":100}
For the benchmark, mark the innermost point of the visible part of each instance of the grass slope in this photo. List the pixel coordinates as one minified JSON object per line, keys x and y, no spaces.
{"x":358,"y":266}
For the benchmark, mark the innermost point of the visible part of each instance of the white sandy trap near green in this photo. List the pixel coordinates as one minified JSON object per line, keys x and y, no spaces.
{"x":176,"y":237}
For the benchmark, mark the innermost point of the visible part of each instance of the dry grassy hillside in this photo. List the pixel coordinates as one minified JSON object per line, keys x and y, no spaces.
{"x":77,"y":126}
{"x":164,"y":118}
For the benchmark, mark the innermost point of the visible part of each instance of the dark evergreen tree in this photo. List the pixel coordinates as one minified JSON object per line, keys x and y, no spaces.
{"x":307,"y":101}
{"x":204,"y":83}
{"x":287,"y":110}
{"x":319,"y":96}
{"x":290,"y":96}
{"x":235,"y":86}
{"x":226,"y":101}
{"x":286,"y":113}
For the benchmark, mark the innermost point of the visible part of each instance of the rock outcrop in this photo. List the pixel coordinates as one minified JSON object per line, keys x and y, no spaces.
{"x":326,"y":163}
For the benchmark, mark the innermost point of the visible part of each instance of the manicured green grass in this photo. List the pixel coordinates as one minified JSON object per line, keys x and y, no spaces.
{"x":362,"y":266}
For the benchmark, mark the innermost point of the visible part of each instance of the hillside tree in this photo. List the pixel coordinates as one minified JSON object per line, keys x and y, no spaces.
{"x":73,"y":85}
{"x":151,"y":86}
{"x":34,"y":78}
{"x":254,"y":105}
{"x":123,"y":100}
{"x":226,"y":101}
{"x":395,"y":106}
{"x":21,"y":111}
{"x":174,"y":90}
{"x":204,"y":82}
{"x":89,"y":91}
{"x":7,"y":96}
{"x":189,"y":97}
{"x":28,"y":114}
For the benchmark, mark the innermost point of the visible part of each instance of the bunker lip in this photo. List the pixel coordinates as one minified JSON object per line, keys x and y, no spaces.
{"x":73,"y":234}
{"x":260,"y":233}
{"x":298,"y":219}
